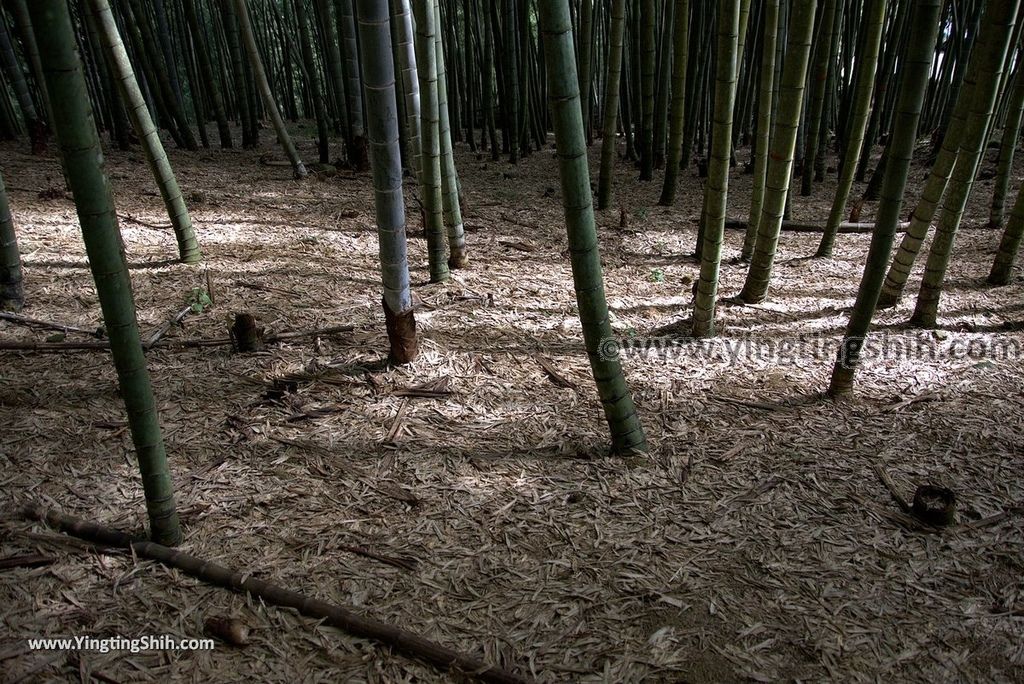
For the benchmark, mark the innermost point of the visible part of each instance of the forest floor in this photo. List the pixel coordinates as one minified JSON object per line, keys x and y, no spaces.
{"x":756,"y":540}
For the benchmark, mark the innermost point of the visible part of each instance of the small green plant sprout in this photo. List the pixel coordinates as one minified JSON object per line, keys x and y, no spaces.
{"x":657,"y":276}
{"x":199,"y":300}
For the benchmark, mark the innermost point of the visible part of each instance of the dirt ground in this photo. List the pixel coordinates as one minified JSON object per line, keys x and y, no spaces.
{"x":756,"y":540}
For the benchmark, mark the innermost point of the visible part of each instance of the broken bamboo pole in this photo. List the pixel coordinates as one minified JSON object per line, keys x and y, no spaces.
{"x":806,"y":227}
{"x":358,"y":625}
{"x":19,"y":345}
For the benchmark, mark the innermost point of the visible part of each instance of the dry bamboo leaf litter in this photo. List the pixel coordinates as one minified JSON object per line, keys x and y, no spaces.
{"x":753,"y":543}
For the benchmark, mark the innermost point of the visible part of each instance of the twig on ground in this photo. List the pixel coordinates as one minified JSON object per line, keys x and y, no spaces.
{"x":162,"y":330}
{"x":890,"y":485}
{"x":48,"y":325}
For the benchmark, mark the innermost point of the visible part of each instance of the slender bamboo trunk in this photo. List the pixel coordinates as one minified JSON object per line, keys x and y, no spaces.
{"x":764,"y":123}
{"x":145,"y":130}
{"x":663,"y":80}
{"x":457,"y":256}
{"x":33,"y":124}
{"x":716,"y":191}
{"x":874,"y":20}
{"x":819,"y":82}
{"x":563,"y":93}
{"x":382,"y":127}
{"x":163,"y":35}
{"x":913,"y":84}
{"x":250,"y":133}
{"x":993,"y":42}
{"x":677,"y":116}
{"x":935,"y":186}
{"x":489,"y":86}
{"x":138,"y":23}
{"x":249,"y":41}
{"x":1008,"y":146}
{"x":332,"y":59}
{"x":430,"y":131}
{"x":206,"y":70}
{"x":1009,"y":245}
{"x":12,"y":289}
{"x":586,"y":42}
{"x":648,"y":64}
{"x":357,"y":152}
{"x":783,"y":147}
{"x":611,"y":103}
{"x":20,"y":10}
{"x":83,"y":165}
{"x":511,"y":77}
{"x":313,"y":82}
{"x":401,"y":21}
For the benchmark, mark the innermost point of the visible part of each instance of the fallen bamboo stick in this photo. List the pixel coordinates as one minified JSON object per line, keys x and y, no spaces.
{"x":806,"y":227}
{"x":15,"y":345}
{"x":891,"y":486}
{"x":26,"y":320}
{"x":165,"y":327}
{"x":139,"y":222}
{"x":334,"y":615}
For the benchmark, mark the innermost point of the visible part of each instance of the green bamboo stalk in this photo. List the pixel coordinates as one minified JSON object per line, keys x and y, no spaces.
{"x":137,"y":22}
{"x":401,"y":21}
{"x":716,"y":190}
{"x":677,"y":115}
{"x":356,"y":139}
{"x":145,"y":130}
{"x":266,"y":94}
{"x":867,"y":62}
{"x":163,"y":35}
{"x":457,"y":256}
{"x":199,"y":40}
{"x":1009,"y":245}
{"x":648,"y":64}
{"x":819,"y":81}
{"x":916,"y":65}
{"x":250,"y":133}
{"x":935,"y":186}
{"x":430,"y":132}
{"x":764,"y":123}
{"x":9,"y":61}
{"x":83,"y":165}
{"x":511,"y":76}
{"x":783,"y":147}
{"x":20,"y":10}
{"x":313,"y":81}
{"x":12,"y":288}
{"x":663,"y":80}
{"x":611,"y":103}
{"x":586,"y":43}
{"x":1008,"y":146}
{"x":378,"y":72}
{"x":571,"y":144}
{"x":332,"y":60}
{"x":993,"y":42}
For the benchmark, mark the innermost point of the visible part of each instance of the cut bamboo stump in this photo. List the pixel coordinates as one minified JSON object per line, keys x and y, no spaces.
{"x":246,"y":336}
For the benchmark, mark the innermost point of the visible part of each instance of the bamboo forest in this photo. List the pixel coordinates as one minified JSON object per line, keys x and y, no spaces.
{"x":511,"y":340}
